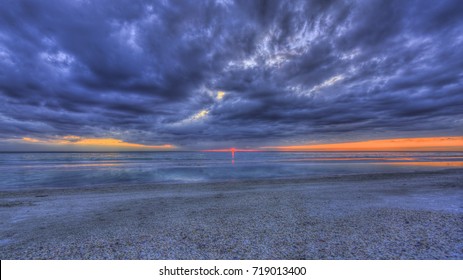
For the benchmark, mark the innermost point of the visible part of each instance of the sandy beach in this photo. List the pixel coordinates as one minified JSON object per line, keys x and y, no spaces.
{"x":416,"y":215}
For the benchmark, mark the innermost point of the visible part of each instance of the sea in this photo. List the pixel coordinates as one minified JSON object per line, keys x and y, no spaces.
{"x":19,"y":171}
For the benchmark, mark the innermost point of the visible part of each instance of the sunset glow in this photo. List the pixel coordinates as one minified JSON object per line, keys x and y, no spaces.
{"x":220,"y":95}
{"x":454,"y":143}
{"x":430,"y":163}
{"x":94,"y":142}
{"x":200,"y":115}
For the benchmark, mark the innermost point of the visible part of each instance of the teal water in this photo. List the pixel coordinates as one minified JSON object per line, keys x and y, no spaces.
{"x":59,"y":170}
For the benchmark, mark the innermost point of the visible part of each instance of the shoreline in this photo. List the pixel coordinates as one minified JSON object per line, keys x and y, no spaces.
{"x":415,"y":215}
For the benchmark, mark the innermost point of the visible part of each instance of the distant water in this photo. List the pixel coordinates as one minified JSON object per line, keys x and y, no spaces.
{"x":57,"y":170}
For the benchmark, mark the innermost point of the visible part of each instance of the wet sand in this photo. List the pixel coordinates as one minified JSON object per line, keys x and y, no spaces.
{"x":377,"y":216}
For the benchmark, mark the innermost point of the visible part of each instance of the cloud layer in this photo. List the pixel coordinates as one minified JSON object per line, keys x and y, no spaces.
{"x":211,"y":74}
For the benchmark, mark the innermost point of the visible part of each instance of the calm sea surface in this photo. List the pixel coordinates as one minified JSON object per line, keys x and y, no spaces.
{"x":57,"y":170}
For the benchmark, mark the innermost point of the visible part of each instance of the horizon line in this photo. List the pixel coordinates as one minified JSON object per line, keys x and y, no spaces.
{"x":243,"y":151}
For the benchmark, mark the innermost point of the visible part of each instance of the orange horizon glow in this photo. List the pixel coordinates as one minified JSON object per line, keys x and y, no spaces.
{"x":453,"y":143}
{"x":93,"y":142}
{"x":428,"y":163}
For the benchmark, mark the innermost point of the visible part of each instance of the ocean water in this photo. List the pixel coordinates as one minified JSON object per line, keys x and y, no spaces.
{"x":61,"y":170}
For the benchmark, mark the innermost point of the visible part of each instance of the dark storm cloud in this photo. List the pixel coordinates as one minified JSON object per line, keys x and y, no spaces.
{"x":292,"y":71}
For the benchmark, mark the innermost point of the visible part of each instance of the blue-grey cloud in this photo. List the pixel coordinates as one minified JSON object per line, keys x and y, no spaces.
{"x":291,"y":71}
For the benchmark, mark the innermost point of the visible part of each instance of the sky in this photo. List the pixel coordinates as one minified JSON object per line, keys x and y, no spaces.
{"x":195,"y":75}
